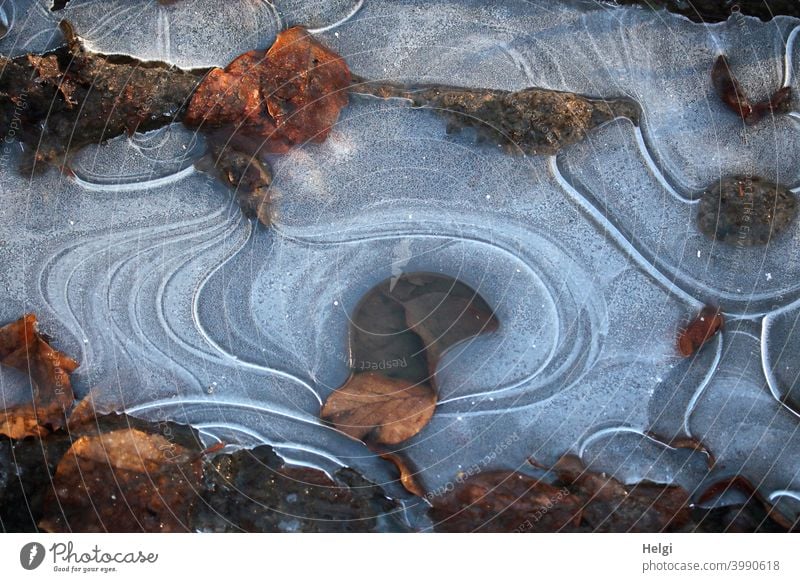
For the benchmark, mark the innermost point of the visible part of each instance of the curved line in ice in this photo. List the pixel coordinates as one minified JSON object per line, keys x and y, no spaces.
{"x":339,"y":22}
{"x":135,"y":186}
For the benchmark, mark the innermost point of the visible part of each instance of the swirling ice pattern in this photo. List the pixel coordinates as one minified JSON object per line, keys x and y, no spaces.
{"x":572,"y":324}
{"x":140,"y":334}
{"x":589,"y":258}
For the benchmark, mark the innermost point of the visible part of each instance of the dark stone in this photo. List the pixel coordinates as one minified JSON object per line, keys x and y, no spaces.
{"x":745,"y":211}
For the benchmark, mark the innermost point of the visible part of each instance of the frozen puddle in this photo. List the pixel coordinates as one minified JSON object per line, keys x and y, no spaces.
{"x":178,"y":307}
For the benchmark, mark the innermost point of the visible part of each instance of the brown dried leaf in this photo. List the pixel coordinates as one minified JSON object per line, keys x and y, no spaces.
{"x":399,"y":331}
{"x":271,"y":101}
{"x":610,"y":505}
{"x":24,"y":349}
{"x":534,"y":121}
{"x":403,"y":325}
{"x":732,"y":94}
{"x":384,"y":410}
{"x":585,"y":501}
{"x":407,"y":476}
{"x":740,"y":483}
{"x":729,"y":89}
{"x":501,"y":501}
{"x":90,"y":408}
{"x":442,"y":321}
{"x":123,"y":481}
{"x":701,"y":329}
{"x":746,"y":210}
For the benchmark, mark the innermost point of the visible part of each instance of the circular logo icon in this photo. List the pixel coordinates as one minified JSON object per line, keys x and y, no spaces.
{"x":31,"y":555}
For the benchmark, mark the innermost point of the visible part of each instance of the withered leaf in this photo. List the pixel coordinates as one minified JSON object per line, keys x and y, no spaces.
{"x":687,"y":442}
{"x":533,"y":120}
{"x":746,"y":210}
{"x":701,"y":329}
{"x":123,"y":481}
{"x":407,"y":476}
{"x":501,"y":501}
{"x":23,"y":348}
{"x":271,"y":101}
{"x":579,"y":500}
{"x":399,"y":331}
{"x":371,"y":406}
{"x":730,"y":91}
{"x":442,"y":320}
{"x":403,"y":325}
{"x":610,"y":505}
{"x":740,"y":483}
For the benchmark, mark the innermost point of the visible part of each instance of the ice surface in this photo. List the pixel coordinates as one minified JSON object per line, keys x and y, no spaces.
{"x":178,"y":307}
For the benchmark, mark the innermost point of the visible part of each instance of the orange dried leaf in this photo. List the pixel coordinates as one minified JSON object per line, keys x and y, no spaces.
{"x":24,"y":349}
{"x":387,"y":410}
{"x":271,"y":101}
{"x":407,"y":476}
{"x":700,"y":330}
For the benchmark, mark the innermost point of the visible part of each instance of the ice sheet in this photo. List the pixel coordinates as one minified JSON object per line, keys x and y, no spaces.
{"x":177,"y":306}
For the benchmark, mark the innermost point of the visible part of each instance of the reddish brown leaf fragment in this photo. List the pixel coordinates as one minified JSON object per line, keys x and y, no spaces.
{"x":700,"y":330}
{"x":742,"y":484}
{"x":732,"y":94}
{"x":24,"y":349}
{"x":18,"y":337}
{"x":215,"y":448}
{"x":610,"y":505}
{"x":778,"y":103}
{"x":728,"y":88}
{"x":271,"y":101}
{"x":501,"y":501}
{"x":123,"y":481}
{"x":686,"y":442}
{"x":442,"y":320}
{"x":385,"y":410}
{"x":407,"y":475}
